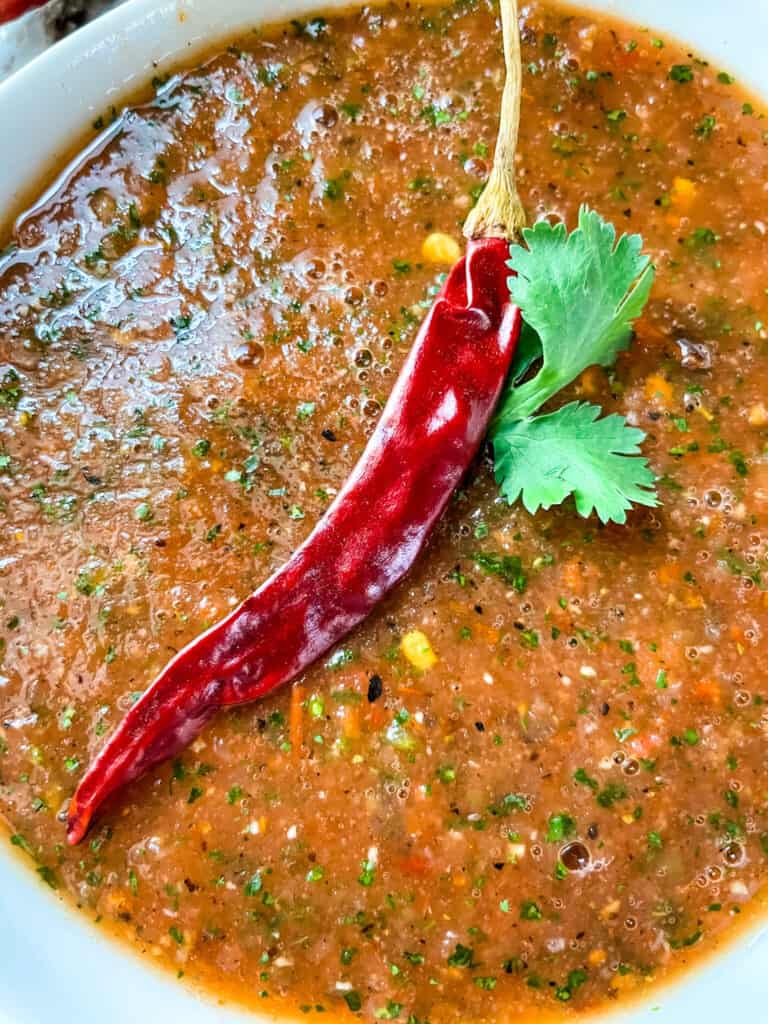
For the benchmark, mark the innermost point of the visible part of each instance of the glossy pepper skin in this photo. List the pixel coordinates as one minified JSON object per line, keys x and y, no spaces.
{"x":10,"y":9}
{"x":429,"y":431}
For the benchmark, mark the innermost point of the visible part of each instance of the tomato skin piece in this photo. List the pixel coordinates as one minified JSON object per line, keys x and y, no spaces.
{"x":430,"y":430}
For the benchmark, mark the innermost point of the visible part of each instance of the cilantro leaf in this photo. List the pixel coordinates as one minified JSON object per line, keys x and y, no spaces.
{"x":572,"y":452}
{"x":560,"y":827}
{"x":580,"y":292}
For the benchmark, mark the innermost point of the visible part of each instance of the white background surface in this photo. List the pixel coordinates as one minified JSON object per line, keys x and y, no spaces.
{"x":54,"y":967}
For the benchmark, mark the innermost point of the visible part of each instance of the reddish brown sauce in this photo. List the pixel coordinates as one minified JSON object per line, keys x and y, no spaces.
{"x":197,"y":332}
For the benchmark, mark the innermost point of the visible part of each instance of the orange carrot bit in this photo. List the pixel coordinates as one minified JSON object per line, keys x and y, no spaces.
{"x":376,"y":716}
{"x":488,"y":633}
{"x":708,"y":690}
{"x":352,"y":722}
{"x":668,"y":573}
{"x":296,"y":720}
{"x":658,"y":387}
{"x":414,"y":821}
{"x":415,"y":864}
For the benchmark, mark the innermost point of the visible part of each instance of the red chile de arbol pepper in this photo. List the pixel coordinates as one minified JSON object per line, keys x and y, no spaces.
{"x":431,"y":428}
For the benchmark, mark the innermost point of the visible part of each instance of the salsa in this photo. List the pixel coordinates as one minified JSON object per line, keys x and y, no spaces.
{"x":530,"y":782}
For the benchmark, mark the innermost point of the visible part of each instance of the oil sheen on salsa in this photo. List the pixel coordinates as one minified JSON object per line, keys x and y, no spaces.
{"x":532,"y":782}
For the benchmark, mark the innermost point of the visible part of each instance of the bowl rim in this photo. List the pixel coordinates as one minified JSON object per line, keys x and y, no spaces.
{"x":73,"y":81}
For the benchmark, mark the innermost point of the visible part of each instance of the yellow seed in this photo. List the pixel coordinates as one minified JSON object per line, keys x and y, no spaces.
{"x":53,"y":796}
{"x":705,"y":413}
{"x":418,"y":650}
{"x":683,"y":192}
{"x":515,"y":852}
{"x":440,"y":248}
{"x":758,"y":415}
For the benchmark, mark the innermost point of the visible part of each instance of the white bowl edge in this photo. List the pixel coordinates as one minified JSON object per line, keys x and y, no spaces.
{"x":54,"y":965}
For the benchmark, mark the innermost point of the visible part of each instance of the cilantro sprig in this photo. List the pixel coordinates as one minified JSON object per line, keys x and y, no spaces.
{"x":544,"y":459}
{"x":580,"y":294}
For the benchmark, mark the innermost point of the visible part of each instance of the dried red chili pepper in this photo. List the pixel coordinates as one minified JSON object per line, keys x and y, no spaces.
{"x":431,"y":428}
{"x":368,"y":539}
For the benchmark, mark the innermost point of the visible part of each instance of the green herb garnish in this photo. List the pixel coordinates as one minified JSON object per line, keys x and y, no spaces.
{"x":580,"y":294}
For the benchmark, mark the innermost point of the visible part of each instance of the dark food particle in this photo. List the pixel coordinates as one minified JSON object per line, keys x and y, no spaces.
{"x":575,"y":856}
{"x":325,"y":116}
{"x":375,"y":688}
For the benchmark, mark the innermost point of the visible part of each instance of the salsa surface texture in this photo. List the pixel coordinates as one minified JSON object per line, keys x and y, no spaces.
{"x":531,"y":782}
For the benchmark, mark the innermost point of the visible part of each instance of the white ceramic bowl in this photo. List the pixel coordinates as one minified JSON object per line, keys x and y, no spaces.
{"x":54,"y":966}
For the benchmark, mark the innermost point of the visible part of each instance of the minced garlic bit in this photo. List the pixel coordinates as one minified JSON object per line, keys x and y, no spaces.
{"x":440,"y":248}
{"x":418,"y":650}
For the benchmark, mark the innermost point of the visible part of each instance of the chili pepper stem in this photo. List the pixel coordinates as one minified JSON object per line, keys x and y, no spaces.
{"x":499,"y":212}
